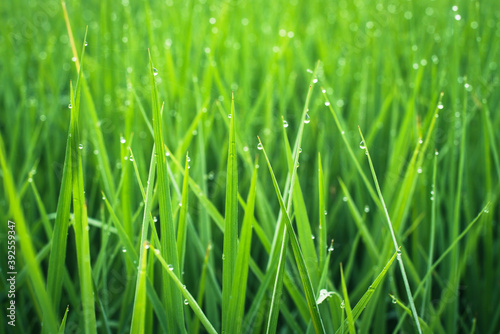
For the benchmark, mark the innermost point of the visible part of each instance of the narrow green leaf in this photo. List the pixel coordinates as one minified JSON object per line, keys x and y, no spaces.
{"x":239,"y":286}
{"x":304,"y":275}
{"x":181,"y":288}
{"x":400,"y":259}
{"x":360,"y":306}
{"x":139,"y":307}
{"x":182,"y":225}
{"x":60,"y":231}
{"x":322,"y":214}
{"x":62,"y":328}
{"x":347,"y":304}
{"x":230,"y":224}
{"x":171,"y":295}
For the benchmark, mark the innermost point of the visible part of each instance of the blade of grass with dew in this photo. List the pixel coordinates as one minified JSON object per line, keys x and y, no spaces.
{"x":60,"y":231}
{"x":239,"y":287}
{"x":195,"y":323}
{"x":304,"y":275}
{"x":181,"y":288}
{"x":372,"y":192}
{"x":182,"y":225}
{"x":62,"y":328}
{"x":80,"y":213}
{"x":230,"y":224}
{"x":322,"y":214}
{"x":400,"y":259}
{"x":139,"y":306}
{"x":447,"y":251}
{"x":95,"y":127}
{"x":27,"y":251}
{"x":360,"y":306}
{"x":425,"y":328}
{"x":428,"y":284}
{"x":171,"y":295}
{"x":347,"y":305}
{"x":303,"y":225}
{"x":363,"y":230}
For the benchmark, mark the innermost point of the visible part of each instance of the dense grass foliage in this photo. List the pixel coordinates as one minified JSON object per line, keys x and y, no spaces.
{"x":250,"y":166}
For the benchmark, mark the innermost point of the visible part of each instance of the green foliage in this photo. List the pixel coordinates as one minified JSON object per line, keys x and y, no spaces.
{"x":116,"y":223}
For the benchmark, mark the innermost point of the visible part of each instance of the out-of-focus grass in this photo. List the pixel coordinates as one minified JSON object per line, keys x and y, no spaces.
{"x":148,"y":242}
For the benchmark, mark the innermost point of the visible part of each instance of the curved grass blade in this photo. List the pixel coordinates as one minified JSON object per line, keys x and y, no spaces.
{"x":189,"y":298}
{"x":400,"y":259}
{"x":360,"y":306}
{"x":348,"y":311}
{"x":171,"y":295}
{"x":27,"y":251}
{"x":230,"y":224}
{"x":304,"y":275}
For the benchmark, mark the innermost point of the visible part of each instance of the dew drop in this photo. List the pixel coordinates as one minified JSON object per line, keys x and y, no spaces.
{"x":300,"y":150}
{"x":309,"y":70}
{"x":420,"y":141}
{"x":342,"y":305}
{"x":86,"y":44}
{"x":124,"y":250}
{"x":146,"y":245}
{"x":131,"y":158}
{"x":327,"y":103}
{"x":440,"y":106}
{"x":155,"y":71}
{"x":80,"y":146}
{"x":188,"y":159}
{"x":331,"y":249}
{"x":344,"y":199}
{"x":367,"y":208}
{"x":186,"y":302}
{"x":122,"y":140}
{"x":362,"y":145}
{"x":259,"y":146}
{"x":394,"y":300}
{"x":307,"y":119}
{"x":229,"y":116}
{"x":285,"y":124}
{"x":157,"y":251}
{"x":155,"y":219}
{"x":170,"y":267}
{"x":30,"y":180}
{"x":419,"y":170}
{"x":323,"y":91}
{"x":325,"y":212}
{"x":313,"y":237}
{"x":180,"y":203}
{"x":70,"y":106}
{"x":315,"y":80}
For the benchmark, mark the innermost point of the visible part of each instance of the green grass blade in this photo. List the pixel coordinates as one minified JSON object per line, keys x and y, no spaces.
{"x":350,"y":320}
{"x":139,"y":307}
{"x":171,"y":294}
{"x":239,"y":287}
{"x":60,"y":231}
{"x":189,"y":298}
{"x":322,"y":213}
{"x":28,"y":252}
{"x":304,"y":275}
{"x":62,"y":328}
{"x":361,"y":305}
{"x":400,"y":259}
{"x":230,"y":224}
{"x":182,"y":225}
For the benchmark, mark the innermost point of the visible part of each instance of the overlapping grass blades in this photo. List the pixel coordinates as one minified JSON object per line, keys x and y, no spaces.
{"x":171,"y":295}
{"x":304,"y":275}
